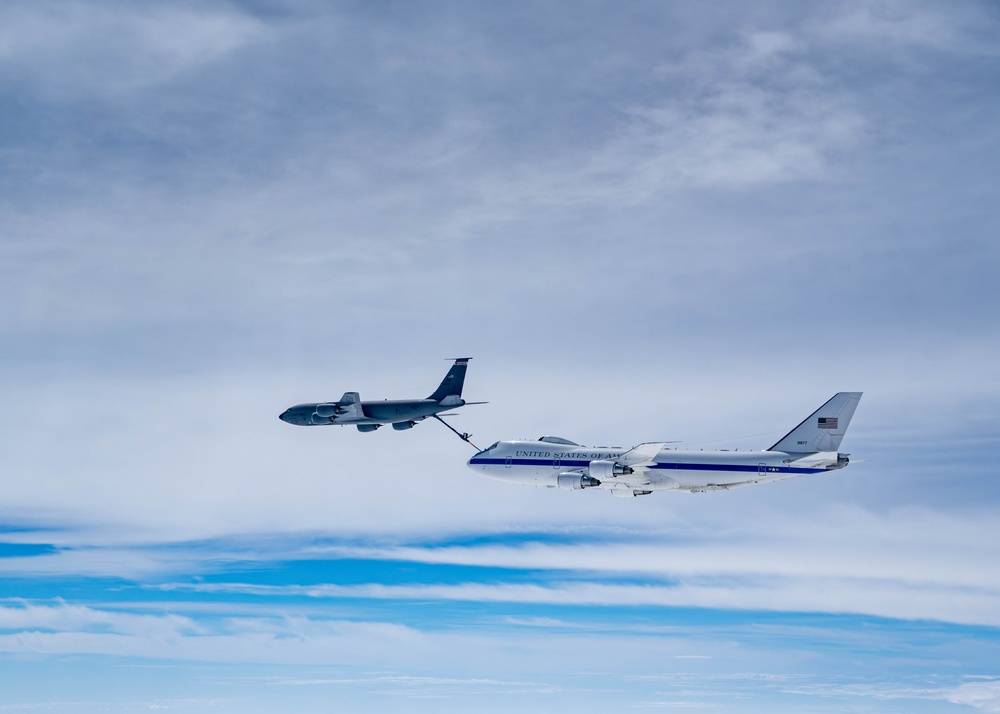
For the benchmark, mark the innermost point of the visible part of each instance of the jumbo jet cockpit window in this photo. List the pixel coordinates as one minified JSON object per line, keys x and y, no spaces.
{"x":557,"y":440}
{"x":489,"y":448}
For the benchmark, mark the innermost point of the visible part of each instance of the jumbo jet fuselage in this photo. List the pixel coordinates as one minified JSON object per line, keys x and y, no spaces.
{"x":810,"y":448}
{"x":540,"y":463}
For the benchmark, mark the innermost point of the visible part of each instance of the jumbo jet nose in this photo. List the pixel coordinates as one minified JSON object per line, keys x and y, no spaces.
{"x":284,"y":415}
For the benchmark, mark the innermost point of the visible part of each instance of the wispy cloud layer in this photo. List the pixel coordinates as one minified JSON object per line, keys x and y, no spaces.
{"x":652,"y":221}
{"x":909,"y":565}
{"x":78,"y":50}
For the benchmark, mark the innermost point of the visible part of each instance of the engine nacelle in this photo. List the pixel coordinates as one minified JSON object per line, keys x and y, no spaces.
{"x":603,"y":470}
{"x":401,"y":425}
{"x":319,"y":419}
{"x":326,"y":410}
{"x":577,"y":482}
{"x":368,"y":427}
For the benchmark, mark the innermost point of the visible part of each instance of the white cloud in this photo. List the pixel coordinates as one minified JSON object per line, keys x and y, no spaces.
{"x":286,"y":636}
{"x":914,"y":545}
{"x":909,"y":564}
{"x":66,"y":629}
{"x":838,"y":596}
{"x":758,"y":112}
{"x":75,"y":50}
{"x":77,"y":618}
{"x":894,"y":26}
{"x":983,"y":695}
{"x":755,"y":112}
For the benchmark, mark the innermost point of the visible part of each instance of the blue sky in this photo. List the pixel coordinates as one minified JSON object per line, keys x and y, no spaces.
{"x":682,"y":221}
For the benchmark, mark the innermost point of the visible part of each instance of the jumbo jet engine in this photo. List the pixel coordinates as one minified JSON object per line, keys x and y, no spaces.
{"x":577,"y":481}
{"x":604,"y":470}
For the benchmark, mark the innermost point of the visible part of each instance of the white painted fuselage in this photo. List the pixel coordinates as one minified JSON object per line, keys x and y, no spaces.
{"x":809,"y":448}
{"x":541,"y":463}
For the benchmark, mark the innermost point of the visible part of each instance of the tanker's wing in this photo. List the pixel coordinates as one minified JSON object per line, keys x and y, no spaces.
{"x":349,"y":407}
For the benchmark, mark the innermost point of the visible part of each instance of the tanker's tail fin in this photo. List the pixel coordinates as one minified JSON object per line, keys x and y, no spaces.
{"x":453,"y":382}
{"x":824,"y":429}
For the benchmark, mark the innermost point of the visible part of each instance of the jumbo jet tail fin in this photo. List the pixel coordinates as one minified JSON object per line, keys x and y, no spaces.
{"x":824,"y":429}
{"x":453,"y":382}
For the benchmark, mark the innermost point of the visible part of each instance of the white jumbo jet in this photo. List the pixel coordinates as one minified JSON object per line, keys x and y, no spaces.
{"x":810,"y":448}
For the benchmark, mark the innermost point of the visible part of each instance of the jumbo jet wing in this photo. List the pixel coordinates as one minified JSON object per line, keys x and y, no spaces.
{"x":638,"y":459}
{"x":642,"y":454}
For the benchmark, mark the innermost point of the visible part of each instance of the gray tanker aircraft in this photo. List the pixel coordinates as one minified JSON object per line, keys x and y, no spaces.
{"x":369,"y":416}
{"x":810,"y":448}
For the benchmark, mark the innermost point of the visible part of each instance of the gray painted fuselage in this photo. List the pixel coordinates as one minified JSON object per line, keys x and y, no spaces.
{"x":384,"y":412}
{"x":369,"y":416}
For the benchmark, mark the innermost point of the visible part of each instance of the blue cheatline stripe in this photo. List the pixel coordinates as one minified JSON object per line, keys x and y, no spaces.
{"x":680,"y":466}
{"x":737,"y":467}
